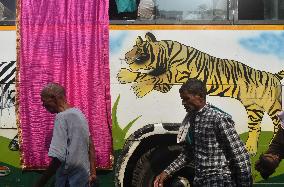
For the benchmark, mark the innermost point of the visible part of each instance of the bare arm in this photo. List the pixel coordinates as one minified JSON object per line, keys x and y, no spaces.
{"x":51,"y":170}
{"x":176,"y":165}
{"x":92,"y":159}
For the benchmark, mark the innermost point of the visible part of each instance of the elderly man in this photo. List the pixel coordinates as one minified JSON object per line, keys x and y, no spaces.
{"x":220,"y":157}
{"x":71,"y":147}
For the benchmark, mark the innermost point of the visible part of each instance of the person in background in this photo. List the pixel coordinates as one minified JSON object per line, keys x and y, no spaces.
{"x":123,"y":9}
{"x":71,"y":147}
{"x":219,"y":156}
{"x":146,"y":10}
{"x":269,"y":161}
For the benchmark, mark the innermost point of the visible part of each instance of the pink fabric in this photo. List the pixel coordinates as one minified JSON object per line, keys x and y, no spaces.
{"x":64,"y":42}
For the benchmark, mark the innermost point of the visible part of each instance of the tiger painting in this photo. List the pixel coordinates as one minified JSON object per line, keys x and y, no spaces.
{"x":158,"y":65}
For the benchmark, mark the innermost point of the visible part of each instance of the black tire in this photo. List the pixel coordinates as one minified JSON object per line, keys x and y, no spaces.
{"x":152,"y":163}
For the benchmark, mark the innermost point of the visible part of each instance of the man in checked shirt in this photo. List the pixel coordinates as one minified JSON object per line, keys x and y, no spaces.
{"x":220,"y":157}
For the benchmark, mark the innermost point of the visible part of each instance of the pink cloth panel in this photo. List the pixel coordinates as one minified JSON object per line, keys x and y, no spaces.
{"x":64,"y":42}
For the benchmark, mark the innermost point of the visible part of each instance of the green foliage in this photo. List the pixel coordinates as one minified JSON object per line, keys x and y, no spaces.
{"x":119,"y":134}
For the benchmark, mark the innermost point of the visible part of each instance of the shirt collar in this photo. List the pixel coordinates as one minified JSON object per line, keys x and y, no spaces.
{"x":204,"y":108}
{"x":200,"y":111}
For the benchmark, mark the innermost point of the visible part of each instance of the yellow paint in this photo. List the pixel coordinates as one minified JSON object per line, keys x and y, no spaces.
{"x":196,"y":27}
{"x":182,"y":27}
{"x":7,"y":28}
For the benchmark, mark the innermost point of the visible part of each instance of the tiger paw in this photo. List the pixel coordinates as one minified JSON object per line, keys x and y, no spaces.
{"x":251,"y":147}
{"x":164,"y":88}
{"x":141,"y":89}
{"x":126,"y":76}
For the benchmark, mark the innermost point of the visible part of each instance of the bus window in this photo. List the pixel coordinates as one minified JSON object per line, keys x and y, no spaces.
{"x":181,"y":10}
{"x":7,"y":12}
{"x":171,"y":11}
{"x":123,"y":9}
{"x":261,"y":10}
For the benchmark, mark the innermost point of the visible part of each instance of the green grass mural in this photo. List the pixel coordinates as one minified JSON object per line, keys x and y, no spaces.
{"x":119,"y":136}
{"x":24,"y":179}
{"x":278,"y":176}
{"x":118,"y":133}
{"x":20,"y":178}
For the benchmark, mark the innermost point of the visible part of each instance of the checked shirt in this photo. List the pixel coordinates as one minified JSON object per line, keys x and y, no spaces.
{"x":219,"y":156}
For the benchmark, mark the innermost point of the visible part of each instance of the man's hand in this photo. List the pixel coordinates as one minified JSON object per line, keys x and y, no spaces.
{"x":49,"y":172}
{"x":159,"y":180}
{"x":92,"y":178}
{"x":267,"y":164}
{"x":92,"y":158}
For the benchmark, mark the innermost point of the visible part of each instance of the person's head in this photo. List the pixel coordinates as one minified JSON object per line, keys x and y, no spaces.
{"x":53,"y":98}
{"x":193,"y":95}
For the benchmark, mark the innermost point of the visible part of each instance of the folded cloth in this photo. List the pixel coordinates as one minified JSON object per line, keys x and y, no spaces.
{"x":4,"y":170}
{"x":146,"y":9}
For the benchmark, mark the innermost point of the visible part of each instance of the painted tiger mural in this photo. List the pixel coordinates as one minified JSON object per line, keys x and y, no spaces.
{"x":158,"y":65}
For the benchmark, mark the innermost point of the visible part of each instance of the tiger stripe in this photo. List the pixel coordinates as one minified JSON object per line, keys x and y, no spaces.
{"x":7,"y":82}
{"x":169,"y":63}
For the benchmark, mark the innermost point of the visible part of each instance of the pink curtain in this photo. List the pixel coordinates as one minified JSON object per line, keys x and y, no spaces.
{"x":64,"y":42}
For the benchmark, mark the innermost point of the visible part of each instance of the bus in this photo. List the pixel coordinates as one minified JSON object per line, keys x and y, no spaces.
{"x":145,"y":78}
{"x":146,"y":107}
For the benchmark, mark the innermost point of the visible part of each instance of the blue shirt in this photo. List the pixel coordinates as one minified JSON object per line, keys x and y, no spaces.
{"x":70,"y":144}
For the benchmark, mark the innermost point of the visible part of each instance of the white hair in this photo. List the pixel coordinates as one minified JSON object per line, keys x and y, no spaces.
{"x":53,"y":90}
